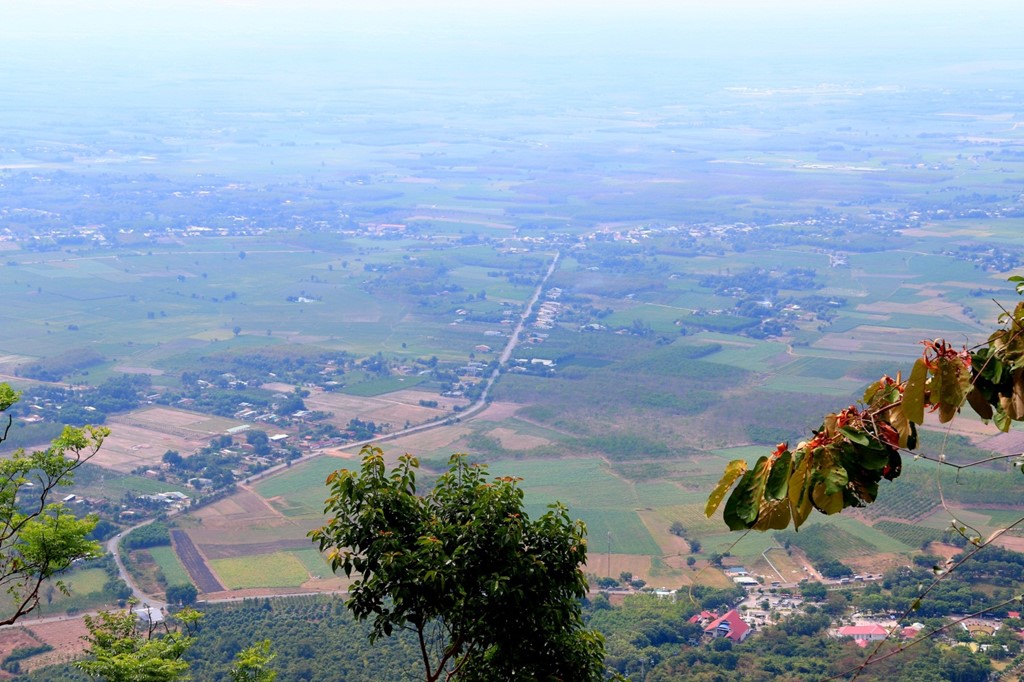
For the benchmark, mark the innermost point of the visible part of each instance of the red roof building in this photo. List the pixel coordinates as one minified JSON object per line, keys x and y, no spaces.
{"x":702,"y":617}
{"x":868,"y":633}
{"x":730,"y":625}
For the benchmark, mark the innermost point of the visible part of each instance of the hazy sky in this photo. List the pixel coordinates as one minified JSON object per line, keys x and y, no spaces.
{"x":490,"y":44}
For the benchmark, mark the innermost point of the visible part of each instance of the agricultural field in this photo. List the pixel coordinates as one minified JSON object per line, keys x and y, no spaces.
{"x":280,"y":569}
{"x":909,"y":534}
{"x":300,"y":492}
{"x":715,"y":294}
{"x":131,"y":446}
{"x":169,"y":564}
{"x":397,"y":404}
{"x":86,"y":592}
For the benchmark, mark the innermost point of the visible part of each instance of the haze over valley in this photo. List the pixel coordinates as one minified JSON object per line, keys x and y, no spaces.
{"x":603,"y":249}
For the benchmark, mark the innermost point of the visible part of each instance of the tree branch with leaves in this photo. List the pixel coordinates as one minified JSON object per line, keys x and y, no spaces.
{"x":39,"y":537}
{"x":841,"y":465}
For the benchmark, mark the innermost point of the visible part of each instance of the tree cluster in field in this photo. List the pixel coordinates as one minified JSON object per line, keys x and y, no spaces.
{"x":995,"y":564}
{"x":92,"y":405}
{"x":223,"y":402}
{"x":11,"y":663}
{"x":832,"y":232}
{"x":358,"y":429}
{"x":988,"y":256}
{"x":761,"y":282}
{"x":155,"y":534}
{"x":57,"y":367}
{"x":182,"y":595}
{"x":296,"y":366}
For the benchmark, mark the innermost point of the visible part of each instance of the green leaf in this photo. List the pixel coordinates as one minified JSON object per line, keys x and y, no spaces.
{"x":741,"y":508}
{"x":855,"y":435}
{"x":825,"y":502}
{"x":913,"y":393}
{"x":773,"y":516}
{"x":743,"y":505}
{"x":835,"y":479}
{"x":799,"y":490}
{"x":777,"y":486}
{"x":955,"y":380}
{"x":733,"y":470}
{"x":868,"y":457}
{"x":745,"y":502}
{"x":1001,"y":419}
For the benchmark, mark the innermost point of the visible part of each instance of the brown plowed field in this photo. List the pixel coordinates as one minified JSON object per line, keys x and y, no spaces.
{"x":193,"y":562}
{"x":245,"y":506}
{"x":64,"y":636}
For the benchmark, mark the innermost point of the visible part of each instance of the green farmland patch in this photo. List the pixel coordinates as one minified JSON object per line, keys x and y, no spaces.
{"x":280,"y":569}
{"x":313,"y":561}
{"x":879,"y":540}
{"x":825,"y":542}
{"x":748,"y":354}
{"x":604,"y":502}
{"x":301,"y":489}
{"x":86,"y":592}
{"x":911,"y":535}
{"x":815,"y":367}
{"x":167,"y":559}
{"x":813,"y":385}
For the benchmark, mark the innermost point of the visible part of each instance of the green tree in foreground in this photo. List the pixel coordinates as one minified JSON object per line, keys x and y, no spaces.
{"x":123,"y":649}
{"x":251,"y":664}
{"x":489,"y":594}
{"x":40,"y":538}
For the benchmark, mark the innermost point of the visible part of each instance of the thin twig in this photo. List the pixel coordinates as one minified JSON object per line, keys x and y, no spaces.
{"x":916,"y":603}
{"x":920,"y":639}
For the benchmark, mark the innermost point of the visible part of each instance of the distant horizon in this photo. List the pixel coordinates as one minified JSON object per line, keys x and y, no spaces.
{"x":53,"y":44}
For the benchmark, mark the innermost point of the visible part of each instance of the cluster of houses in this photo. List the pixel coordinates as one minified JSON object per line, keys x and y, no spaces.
{"x":731,"y":626}
{"x":549,"y":309}
{"x":172,"y":499}
{"x":533,"y":366}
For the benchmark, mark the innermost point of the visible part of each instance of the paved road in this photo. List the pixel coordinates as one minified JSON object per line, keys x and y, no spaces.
{"x":144,"y":599}
{"x":470,"y":411}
